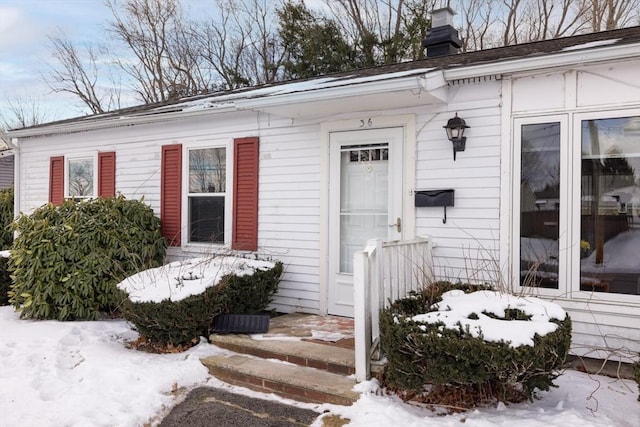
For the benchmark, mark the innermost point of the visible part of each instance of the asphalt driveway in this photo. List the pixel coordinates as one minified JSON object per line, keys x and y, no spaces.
{"x":211,"y":407}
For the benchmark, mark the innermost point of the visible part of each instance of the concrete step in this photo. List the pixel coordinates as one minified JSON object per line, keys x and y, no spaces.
{"x":290,"y":381}
{"x":320,"y":356}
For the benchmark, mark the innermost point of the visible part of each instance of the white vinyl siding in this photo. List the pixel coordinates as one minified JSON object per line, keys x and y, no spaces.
{"x":289,"y":184}
{"x":471,"y":234}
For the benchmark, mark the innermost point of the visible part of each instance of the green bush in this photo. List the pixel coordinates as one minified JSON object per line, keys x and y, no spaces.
{"x":182,"y":322}
{"x":6,"y":218}
{"x":67,"y":259}
{"x":5,"y":281}
{"x":450,"y":364}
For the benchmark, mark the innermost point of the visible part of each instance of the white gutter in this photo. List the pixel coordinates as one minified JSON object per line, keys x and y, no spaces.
{"x":541,"y":61}
{"x":378,"y":86}
{"x":145,"y":117}
{"x":327,"y":94}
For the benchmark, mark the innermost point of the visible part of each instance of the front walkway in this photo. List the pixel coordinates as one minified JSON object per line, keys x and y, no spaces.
{"x":330,"y":330}
{"x":319,"y":351}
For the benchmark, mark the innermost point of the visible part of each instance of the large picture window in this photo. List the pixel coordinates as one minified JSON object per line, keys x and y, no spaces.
{"x":207,"y":195}
{"x":610,"y":205}
{"x":577,"y":223}
{"x":80,"y":178}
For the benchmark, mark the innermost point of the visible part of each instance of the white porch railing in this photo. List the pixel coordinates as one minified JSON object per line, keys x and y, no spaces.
{"x":383,"y":272}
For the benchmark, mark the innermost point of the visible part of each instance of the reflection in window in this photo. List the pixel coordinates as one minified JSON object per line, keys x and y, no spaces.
{"x":207,"y":170}
{"x":610,"y":206}
{"x":540,"y":205}
{"x":207,"y":198}
{"x":80,"y":178}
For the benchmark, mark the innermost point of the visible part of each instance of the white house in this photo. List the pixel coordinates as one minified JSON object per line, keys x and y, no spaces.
{"x":307,"y":171}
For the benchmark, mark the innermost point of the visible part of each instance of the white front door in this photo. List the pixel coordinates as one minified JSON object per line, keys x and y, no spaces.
{"x":365,"y":202}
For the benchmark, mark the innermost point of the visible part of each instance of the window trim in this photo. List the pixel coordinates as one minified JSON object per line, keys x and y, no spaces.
{"x":186,"y":195}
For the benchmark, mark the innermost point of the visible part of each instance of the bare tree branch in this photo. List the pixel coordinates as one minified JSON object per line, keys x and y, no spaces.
{"x":24,"y":111}
{"x":78,"y":75}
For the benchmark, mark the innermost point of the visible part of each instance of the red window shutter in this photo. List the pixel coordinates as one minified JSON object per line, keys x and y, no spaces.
{"x":245,"y":194}
{"x":107,"y":174}
{"x":171,"y":194}
{"x":56,"y":180}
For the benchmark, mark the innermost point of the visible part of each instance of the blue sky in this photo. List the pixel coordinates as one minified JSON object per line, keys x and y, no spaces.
{"x":24,"y":26}
{"x":24,"y":52}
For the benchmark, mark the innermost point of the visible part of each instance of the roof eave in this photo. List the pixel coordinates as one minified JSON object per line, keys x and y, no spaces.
{"x":412,"y":82}
{"x":397,"y":84}
{"x":111,"y":122}
{"x":548,"y":61}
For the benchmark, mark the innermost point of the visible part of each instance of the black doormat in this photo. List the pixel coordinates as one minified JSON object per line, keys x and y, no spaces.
{"x":240,"y":324}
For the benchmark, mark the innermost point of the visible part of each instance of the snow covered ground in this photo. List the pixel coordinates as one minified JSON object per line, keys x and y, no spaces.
{"x":81,"y":374}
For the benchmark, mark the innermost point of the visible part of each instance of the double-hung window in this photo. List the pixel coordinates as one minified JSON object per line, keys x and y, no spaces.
{"x":207,"y":194}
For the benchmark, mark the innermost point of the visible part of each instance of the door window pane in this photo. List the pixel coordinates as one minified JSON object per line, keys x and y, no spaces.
{"x":540,"y":205}
{"x":610,"y":206}
{"x":80,"y":178}
{"x":364,"y":199}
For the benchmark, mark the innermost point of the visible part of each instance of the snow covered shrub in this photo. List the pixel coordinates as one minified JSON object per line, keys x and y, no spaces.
{"x":464,"y":346}
{"x":175,"y":304}
{"x":67,"y":259}
{"x":5,"y":279}
{"x":6,"y":218}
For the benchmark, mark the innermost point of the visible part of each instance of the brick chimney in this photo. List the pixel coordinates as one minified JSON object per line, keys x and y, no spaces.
{"x":442,"y":39}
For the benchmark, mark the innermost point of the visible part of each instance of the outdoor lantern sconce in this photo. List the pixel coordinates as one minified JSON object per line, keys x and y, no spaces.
{"x":455,"y":132}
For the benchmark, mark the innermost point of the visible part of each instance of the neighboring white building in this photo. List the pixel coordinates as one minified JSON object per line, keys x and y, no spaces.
{"x":306,"y":171}
{"x":6,"y":163}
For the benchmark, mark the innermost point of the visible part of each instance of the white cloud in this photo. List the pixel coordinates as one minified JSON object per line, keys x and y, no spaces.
{"x":16,"y":30}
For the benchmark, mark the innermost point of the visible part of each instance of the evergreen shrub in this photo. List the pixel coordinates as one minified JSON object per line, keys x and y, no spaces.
{"x":67,"y":259}
{"x":452,"y":366}
{"x":6,"y":218}
{"x":5,"y":281}
{"x":181,"y":323}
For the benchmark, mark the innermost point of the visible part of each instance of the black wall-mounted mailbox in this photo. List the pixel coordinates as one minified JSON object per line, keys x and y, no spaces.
{"x":435,"y":198}
{"x":431,"y":198}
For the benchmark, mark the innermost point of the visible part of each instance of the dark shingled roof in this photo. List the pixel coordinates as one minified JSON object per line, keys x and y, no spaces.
{"x":487,"y":56}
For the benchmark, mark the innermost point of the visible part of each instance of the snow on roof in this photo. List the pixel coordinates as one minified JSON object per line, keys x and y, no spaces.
{"x":181,"y":279}
{"x":456,"y":307}
{"x":591,"y":44}
{"x":226,"y":100}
